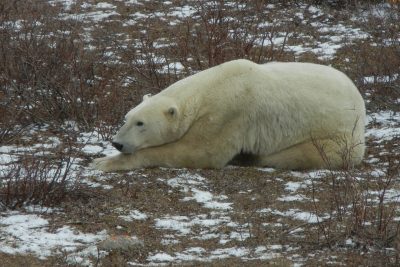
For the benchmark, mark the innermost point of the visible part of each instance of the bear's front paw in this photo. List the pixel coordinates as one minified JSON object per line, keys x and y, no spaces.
{"x":102,"y":164}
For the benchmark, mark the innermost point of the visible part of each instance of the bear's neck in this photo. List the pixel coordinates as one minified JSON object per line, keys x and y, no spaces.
{"x":190,"y":111}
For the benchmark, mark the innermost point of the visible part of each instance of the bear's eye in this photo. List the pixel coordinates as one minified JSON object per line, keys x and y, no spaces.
{"x":139,"y":123}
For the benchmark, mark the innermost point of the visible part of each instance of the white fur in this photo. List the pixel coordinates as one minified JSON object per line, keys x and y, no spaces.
{"x":286,"y":115}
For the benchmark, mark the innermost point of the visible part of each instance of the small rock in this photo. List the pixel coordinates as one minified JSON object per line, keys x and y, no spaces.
{"x":120,"y":243}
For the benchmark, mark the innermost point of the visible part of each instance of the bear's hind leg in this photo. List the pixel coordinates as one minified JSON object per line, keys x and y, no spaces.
{"x":315,"y":154}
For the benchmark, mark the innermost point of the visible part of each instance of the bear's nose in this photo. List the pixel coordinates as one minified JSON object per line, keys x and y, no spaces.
{"x":117,"y":145}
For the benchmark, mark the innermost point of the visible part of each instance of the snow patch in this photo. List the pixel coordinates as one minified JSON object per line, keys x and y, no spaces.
{"x":134,"y":215}
{"x":190,"y":183}
{"x":29,"y":234}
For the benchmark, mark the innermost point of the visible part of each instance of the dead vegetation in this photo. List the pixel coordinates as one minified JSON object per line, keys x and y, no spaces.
{"x":58,"y":68}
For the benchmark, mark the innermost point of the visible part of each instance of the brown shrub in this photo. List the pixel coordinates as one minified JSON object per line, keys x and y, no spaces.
{"x":37,"y":180}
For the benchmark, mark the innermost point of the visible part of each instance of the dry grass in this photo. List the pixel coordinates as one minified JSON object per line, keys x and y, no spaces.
{"x":52,"y":72}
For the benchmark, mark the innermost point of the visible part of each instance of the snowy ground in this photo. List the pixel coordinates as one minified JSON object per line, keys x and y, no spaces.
{"x":29,"y":232}
{"x":162,"y":216}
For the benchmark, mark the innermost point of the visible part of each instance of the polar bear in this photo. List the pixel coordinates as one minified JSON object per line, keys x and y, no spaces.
{"x":281,"y":115}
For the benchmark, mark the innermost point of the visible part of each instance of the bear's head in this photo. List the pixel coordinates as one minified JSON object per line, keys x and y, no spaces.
{"x":153,"y":122}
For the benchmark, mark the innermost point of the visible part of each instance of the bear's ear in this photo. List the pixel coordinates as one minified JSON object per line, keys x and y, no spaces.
{"x":146,"y":97}
{"x":172,"y":112}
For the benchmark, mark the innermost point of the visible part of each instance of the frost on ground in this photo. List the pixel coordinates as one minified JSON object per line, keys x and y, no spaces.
{"x":235,"y":215}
